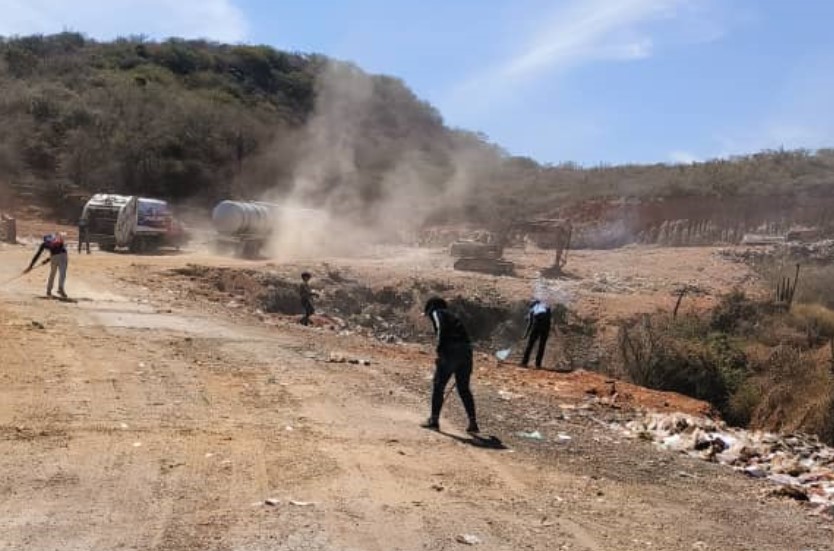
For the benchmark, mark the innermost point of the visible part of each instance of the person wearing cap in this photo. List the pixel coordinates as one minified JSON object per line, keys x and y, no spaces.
{"x":539,"y":319}
{"x":306,"y":294}
{"x":54,"y":243}
{"x":454,"y":357}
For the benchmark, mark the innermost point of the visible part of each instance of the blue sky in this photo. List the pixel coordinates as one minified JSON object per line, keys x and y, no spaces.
{"x":591,"y":81}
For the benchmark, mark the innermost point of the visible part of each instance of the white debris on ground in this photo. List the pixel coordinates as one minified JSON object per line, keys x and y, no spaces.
{"x":341,"y":358}
{"x":800,"y":465}
{"x":609,"y":282}
{"x":818,"y":251}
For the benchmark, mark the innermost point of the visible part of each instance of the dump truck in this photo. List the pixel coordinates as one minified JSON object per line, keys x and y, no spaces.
{"x":138,"y":224}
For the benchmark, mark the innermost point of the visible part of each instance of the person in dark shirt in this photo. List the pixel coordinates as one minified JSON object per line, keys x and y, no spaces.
{"x":54,"y":243}
{"x":83,"y":235}
{"x":538,"y":329}
{"x":454,"y":357}
{"x":306,"y":294}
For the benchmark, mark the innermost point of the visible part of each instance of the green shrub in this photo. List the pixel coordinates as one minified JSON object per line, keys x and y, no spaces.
{"x":654,"y":355}
{"x":734,"y":312}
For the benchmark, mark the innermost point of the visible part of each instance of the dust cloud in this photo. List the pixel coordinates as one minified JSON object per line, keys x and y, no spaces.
{"x":365,"y":190}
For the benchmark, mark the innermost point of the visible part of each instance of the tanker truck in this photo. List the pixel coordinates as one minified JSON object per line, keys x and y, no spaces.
{"x":244,"y":228}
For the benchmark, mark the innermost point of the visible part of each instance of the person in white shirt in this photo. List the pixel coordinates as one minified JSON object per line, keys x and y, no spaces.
{"x":539,"y":319}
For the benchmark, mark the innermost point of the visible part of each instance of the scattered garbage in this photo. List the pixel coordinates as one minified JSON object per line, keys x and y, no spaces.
{"x":801,"y":466}
{"x":563,"y":438}
{"x":468,"y":539}
{"x":37,"y":325}
{"x":137,"y":444}
{"x":272,"y":502}
{"x":503,"y":354}
{"x":507,"y":396}
{"x":534,"y":435}
{"x":340,"y":358}
{"x":302,"y":503}
{"x":337,"y":358}
{"x":817,"y":251}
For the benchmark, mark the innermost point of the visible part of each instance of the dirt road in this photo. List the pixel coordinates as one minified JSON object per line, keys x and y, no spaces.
{"x":127,"y":422}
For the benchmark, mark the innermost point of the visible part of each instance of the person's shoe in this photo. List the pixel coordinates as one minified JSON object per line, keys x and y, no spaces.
{"x":431,"y":424}
{"x":49,"y":294}
{"x":473,"y":427}
{"x":62,"y":293}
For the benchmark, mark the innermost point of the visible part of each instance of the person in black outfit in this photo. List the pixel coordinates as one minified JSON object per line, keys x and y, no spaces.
{"x":83,"y":235}
{"x":306,"y":294}
{"x":538,"y":329}
{"x":454,"y":357}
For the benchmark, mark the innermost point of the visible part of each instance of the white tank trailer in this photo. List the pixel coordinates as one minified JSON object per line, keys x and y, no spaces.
{"x":244,"y":227}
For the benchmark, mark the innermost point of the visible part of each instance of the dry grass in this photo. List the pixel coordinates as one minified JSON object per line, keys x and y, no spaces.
{"x":815,"y":320}
{"x":797,"y":393}
{"x":760,"y":366}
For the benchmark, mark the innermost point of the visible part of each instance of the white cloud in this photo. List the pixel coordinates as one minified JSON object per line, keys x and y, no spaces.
{"x":577,"y":33}
{"x":683,"y":157}
{"x":213,"y":19}
{"x":587,"y":30}
{"x":581,"y":31}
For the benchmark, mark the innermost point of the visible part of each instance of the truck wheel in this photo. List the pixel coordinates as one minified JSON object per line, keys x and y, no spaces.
{"x":137,"y":245}
{"x":107,"y":247}
{"x":250,"y":250}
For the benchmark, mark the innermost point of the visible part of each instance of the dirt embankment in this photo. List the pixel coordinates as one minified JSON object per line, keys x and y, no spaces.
{"x":688,"y":221}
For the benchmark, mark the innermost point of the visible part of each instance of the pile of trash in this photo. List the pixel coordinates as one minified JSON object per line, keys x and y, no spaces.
{"x":800,"y":465}
{"x":817,"y":252}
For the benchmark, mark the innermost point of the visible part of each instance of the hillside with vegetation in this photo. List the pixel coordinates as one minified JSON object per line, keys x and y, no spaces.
{"x":199,"y":121}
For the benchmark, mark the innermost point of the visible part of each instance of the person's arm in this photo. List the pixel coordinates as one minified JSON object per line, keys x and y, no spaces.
{"x":436,"y":322}
{"x":35,"y":258}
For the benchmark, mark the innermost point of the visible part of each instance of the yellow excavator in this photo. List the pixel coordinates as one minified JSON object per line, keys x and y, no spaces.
{"x":484,"y":252}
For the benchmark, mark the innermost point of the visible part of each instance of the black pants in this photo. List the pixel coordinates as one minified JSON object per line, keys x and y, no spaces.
{"x":307,"y":306}
{"x":83,"y":237}
{"x":539,"y":332}
{"x":455,"y":361}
